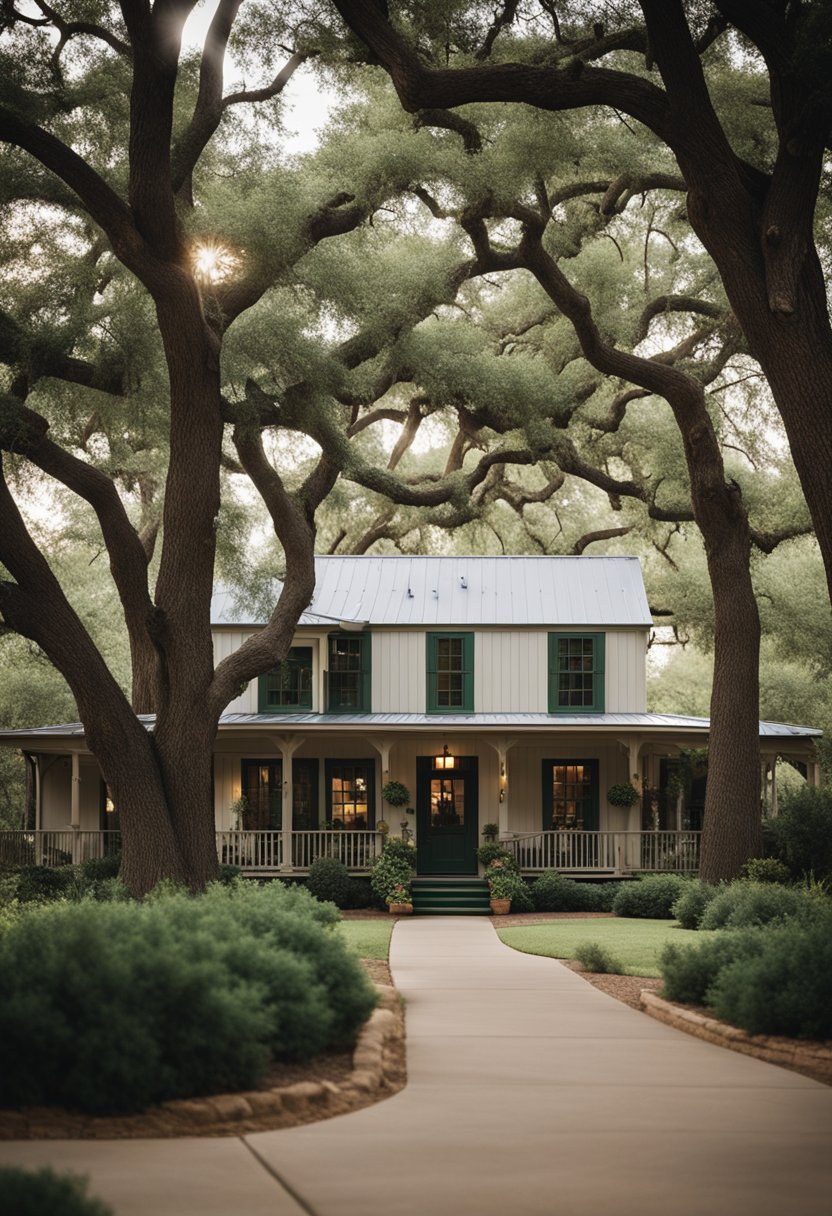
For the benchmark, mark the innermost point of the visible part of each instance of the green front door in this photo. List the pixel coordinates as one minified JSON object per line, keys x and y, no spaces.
{"x":446,"y":816}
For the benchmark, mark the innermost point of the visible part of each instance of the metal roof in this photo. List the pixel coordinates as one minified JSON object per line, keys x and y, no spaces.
{"x":227,"y":609}
{"x":440,"y":723}
{"x":450,"y":591}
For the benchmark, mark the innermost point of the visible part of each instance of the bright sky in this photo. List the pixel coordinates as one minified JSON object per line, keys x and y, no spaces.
{"x":307,"y":103}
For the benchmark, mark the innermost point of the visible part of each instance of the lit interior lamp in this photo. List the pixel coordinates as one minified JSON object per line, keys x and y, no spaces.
{"x":446,"y":760}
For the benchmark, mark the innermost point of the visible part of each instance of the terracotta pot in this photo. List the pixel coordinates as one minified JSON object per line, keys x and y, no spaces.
{"x":500,"y":906}
{"x":400,"y":909}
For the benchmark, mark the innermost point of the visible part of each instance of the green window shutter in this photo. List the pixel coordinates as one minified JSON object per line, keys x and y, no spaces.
{"x":553,"y":681}
{"x":366,"y":672}
{"x":468,"y":682}
{"x":431,"y":672}
{"x":600,"y":679}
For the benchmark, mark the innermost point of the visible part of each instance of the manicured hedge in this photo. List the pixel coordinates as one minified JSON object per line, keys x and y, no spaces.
{"x":652,"y":897}
{"x":552,"y":892}
{"x":691,"y":904}
{"x":801,"y":834}
{"x":112,"y":1007}
{"x":739,"y":905}
{"x":329,"y":879}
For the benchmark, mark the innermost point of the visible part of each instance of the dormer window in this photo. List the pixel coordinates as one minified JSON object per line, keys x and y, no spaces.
{"x":576,"y":673}
{"x":287,"y":688}
{"x":349,"y":673}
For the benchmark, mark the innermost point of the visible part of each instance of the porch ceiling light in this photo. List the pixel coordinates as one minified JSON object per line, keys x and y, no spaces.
{"x":446,"y":760}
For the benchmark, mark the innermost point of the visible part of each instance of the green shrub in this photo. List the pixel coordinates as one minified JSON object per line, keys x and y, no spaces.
{"x":689,"y":972}
{"x":361,"y":894}
{"x":177,"y":996}
{"x":94,"y":869}
{"x":521,"y":899}
{"x":652,"y":897}
{"x":766,"y":869}
{"x":551,"y":892}
{"x":329,"y":880}
{"x":491,"y":851}
{"x":693,"y":901}
{"x":594,"y":957}
{"x":505,"y":882}
{"x":742,"y":904}
{"x":394,"y":866}
{"x":801,"y":834}
{"x":228,"y":873}
{"x":40,"y":884}
{"x":785,"y":988}
{"x":44,"y":1193}
{"x":600,"y":896}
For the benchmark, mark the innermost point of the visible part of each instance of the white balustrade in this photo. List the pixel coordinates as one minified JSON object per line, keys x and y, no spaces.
{"x":611,"y":852}
{"x":67,"y":847}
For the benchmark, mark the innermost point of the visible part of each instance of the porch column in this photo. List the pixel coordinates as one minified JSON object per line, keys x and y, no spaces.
{"x":502,"y":745}
{"x":813,"y":773}
{"x":288,"y":745}
{"x":75,"y":806}
{"x":38,"y":795}
{"x":384,"y":748}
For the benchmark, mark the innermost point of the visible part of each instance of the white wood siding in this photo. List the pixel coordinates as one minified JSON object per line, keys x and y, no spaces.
{"x":399,"y":680}
{"x":510,"y":671}
{"x":626,"y":665}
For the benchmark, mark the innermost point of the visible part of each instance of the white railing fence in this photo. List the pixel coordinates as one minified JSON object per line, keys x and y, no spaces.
{"x":355,"y":849}
{"x":67,"y":847}
{"x":613,"y":852}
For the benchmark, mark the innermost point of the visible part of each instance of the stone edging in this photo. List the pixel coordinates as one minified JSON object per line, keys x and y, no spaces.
{"x":812,"y":1057}
{"x":235,"y":1113}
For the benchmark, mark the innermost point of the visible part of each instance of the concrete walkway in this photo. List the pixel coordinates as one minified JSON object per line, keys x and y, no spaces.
{"x":529,"y":1094}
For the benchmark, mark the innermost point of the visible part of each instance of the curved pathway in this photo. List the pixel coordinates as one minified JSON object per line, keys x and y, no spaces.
{"x":530,"y":1093}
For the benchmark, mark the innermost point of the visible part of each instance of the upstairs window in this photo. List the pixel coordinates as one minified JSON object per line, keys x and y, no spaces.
{"x":450,"y":658}
{"x":349,"y":673}
{"x":287,"y":688}
{"x":576,"y":673}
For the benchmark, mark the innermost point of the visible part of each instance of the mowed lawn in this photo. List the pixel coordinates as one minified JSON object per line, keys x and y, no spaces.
{"x":635,"y":944}
{"x":368,"y":938}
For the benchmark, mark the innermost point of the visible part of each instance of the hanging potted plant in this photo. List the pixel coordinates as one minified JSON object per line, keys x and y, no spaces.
{"x":623,"y":794}
{"x":395,"y":794}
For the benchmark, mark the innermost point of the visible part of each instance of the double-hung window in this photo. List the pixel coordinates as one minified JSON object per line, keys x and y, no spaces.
{"x":450,"y":672}
{"x":576,"y":673}
{"x":348,"y":681}
{"x":287,"y":688}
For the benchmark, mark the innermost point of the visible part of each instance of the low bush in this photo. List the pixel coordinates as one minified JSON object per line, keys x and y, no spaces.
{"x":691,"y":904}
{"x":551,"y":892}
{"x":361,"y":894}
{"x":766,"y":869}
{"x":801,"y":834}
{"x":228,"y":873}
{"x":40,"y":884}
{"x":784,"y":988}
{"x":45,"y":1193}
{"x":689,"y":972}
{"x":491,"y":851}
{"x":329,"y":879}
{"x":177,"y":996}
{"x":594,"y":957}
{"x":739,"y":905}
{"x":94,"y":869}
{"x":394,"y":866}
{"x":505,"y":882}
{"x":652,"y":897}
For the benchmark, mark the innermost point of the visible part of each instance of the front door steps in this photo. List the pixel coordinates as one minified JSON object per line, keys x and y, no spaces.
{"x":450,"y":897}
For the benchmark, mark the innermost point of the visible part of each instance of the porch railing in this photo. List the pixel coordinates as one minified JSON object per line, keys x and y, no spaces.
{"x":606,"y":852}
{"x":67,"y":847}
{"x":263,"y":852}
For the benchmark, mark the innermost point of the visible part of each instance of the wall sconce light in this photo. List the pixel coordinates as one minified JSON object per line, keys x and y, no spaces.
{"x":502,"y":768}
{"x":502,"y":795}
{"x":446,"y":760}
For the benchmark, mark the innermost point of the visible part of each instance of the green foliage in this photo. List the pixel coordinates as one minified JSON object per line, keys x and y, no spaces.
{"x":177,"y":996}
{"x":742,"y":904}
{"x":491,"y":851}
{"x":394,"y":866}
{"x":360,"y":894}
{"x":552,"y":892}
{"x":801,"y":834}
{"x":45,"y":1193}
{"x":395,"y":794}
{"x":505,"y":882}
{"x":773,"y":980}
{"x":329,"y":880}
{"x":785,"y":988}
{"x":623,"y":794}
{"x":94,"y":869}
{"x":691,"y":904}
{"x":490,"y":832}
{"x":652,"y":896}
{"x":594,"y":957}
{"x":766,"y":869}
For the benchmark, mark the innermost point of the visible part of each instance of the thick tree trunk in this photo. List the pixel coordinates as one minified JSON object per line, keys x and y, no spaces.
{"x":732,"y":826}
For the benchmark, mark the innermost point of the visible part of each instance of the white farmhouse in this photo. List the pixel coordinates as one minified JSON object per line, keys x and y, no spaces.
{"x":497,"y":690}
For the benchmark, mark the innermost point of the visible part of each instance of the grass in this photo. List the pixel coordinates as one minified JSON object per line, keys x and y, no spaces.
{"x":635,"y":943}
{"x":368,"y":938}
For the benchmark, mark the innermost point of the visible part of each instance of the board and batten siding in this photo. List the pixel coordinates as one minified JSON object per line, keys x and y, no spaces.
{"x":399,"y":677}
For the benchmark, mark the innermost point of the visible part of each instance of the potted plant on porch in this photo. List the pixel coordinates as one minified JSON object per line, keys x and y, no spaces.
{"x":399,"y":901}
{"x":502,"y":883}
